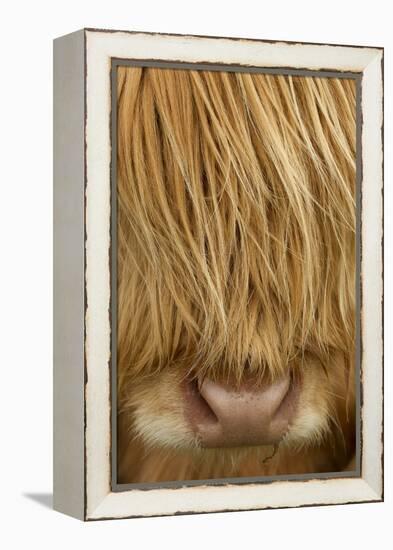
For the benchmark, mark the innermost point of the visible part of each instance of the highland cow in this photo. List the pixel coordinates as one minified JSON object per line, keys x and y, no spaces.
{"x":236,"y":274}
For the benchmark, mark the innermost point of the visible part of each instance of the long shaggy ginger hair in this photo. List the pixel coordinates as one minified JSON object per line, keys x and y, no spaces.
{"x":236,"y":261}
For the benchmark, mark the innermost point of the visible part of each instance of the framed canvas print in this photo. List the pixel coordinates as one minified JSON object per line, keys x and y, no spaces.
{"x":218,"y":329}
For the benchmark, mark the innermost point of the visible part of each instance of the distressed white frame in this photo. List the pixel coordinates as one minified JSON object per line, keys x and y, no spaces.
{"x":99,"y":501}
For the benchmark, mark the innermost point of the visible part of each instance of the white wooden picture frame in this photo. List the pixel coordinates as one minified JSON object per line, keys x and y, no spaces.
{"x":84,"y":239}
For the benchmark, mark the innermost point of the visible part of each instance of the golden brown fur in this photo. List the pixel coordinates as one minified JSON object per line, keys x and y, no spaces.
{"x":236,"y":227}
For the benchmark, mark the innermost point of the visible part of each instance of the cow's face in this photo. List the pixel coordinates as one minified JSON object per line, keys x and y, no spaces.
{"x":236,"y":265}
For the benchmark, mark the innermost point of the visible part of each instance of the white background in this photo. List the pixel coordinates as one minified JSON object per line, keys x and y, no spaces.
{"x":26,"y":274}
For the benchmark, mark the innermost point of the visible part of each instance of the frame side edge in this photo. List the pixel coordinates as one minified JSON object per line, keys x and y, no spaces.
{"x":68,"y":274}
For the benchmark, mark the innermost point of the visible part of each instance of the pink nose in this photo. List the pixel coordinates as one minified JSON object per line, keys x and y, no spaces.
{"x":227,"y":416}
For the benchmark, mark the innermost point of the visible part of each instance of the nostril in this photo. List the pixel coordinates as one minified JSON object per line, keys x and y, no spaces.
{"x":198,"y":409}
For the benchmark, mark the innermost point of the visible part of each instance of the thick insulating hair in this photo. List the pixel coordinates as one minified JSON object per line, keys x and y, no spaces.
{"x":236,"y":222}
